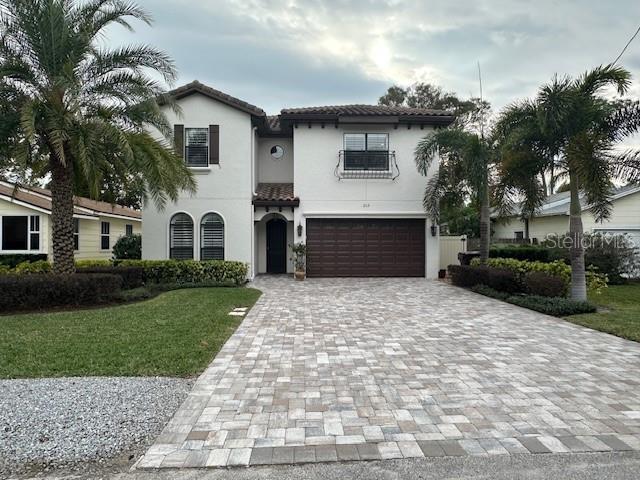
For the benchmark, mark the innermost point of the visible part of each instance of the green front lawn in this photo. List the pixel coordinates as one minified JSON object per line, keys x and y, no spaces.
{"x":619,"y":312}
{"x":175,"y":334}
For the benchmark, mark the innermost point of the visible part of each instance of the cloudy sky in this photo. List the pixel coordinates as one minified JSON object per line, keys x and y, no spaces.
{"x":288,"y":53}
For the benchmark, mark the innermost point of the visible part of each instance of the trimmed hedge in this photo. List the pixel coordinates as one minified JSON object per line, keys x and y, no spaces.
{"x":132,"y":277}
{"x":13,"y":259}
{"x":595,"y":281}
{"x":190,"y":271}
{"x":524,"y":252}
{"x":556,"y":306}
{"x":498,"y":279}
{"x":35,"y":292}
{"x":543,"y":285}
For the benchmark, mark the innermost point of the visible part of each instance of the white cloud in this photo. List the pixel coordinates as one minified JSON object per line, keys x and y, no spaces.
{"x":319,"y":51}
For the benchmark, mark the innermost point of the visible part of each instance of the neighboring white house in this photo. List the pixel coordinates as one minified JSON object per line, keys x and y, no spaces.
{"x":553,"y":218}
{"x":342,"y":179}
{"x":25,"y":226}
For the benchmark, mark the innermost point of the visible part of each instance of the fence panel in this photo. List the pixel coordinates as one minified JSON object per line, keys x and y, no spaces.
{"x":450,"y":246}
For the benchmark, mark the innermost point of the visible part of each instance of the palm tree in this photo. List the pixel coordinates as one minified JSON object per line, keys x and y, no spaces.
{"x":85,"y":110}
{"x":570,"y":128}
{"x":463,"y":173}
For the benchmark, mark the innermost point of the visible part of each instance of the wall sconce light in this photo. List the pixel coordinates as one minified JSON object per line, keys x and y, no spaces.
{"x":299,"y":229}
{"x":434,"y":230}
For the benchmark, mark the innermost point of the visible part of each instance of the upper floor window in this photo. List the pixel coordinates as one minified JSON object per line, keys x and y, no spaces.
{"x":212,"y":237}
{"x":21,"y":233}
{"x":366,"y":151}
{"x":181,"y":237}
{"x":196,"y":151}
{"x":128,"y":229}
{"x":105,"y":228}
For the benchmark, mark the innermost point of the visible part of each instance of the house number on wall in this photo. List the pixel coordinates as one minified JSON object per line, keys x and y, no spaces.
{"x":366,"y":205}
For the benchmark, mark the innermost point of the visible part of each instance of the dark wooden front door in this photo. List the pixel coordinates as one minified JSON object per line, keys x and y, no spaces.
{"x":359,"y":247}
{"x":276,"y":246}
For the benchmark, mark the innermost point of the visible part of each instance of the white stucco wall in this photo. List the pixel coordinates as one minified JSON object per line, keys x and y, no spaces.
{"x":271,"y":170}
{"x":225,"y":189}
{"x":322,"y":194}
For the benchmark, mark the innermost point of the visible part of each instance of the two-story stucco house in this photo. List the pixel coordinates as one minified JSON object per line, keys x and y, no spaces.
{"x":341,"y":179}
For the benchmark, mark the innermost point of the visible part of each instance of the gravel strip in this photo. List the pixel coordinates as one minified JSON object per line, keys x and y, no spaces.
{"x":69,"y":422}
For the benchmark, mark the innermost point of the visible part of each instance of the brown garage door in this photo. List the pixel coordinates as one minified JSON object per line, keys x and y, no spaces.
{"x":365,"y":247}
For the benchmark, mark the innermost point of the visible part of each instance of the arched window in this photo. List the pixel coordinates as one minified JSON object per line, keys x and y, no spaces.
{"x":212,"y":237}
{"x":181,"y":237}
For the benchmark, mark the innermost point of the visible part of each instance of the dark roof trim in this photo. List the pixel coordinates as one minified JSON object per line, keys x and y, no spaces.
{"x":289,"y":118}
{"x":276,"y":203}
{"x":197,"y":87}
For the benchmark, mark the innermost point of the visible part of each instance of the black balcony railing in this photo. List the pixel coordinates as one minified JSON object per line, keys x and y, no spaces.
{"x":367,"y":164}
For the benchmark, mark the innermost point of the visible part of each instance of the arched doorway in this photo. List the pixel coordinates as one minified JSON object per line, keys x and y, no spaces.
{"x":276,"y":246}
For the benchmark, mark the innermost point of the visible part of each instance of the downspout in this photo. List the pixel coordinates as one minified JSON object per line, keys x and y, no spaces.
{"x":253,"y":194}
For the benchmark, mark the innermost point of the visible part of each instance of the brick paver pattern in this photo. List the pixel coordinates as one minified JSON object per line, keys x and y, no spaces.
{"x":366,"y":369}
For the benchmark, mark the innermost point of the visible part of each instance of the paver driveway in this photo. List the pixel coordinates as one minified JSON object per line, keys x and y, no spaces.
{"x":347,"y":369}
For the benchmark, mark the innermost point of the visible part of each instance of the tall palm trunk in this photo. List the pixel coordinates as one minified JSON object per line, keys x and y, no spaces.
{"x":578,"y":280}
{"x":62,"y":216}
{"x":485,"y":232}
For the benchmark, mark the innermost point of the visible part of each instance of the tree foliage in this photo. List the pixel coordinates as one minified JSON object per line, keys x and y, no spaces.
{"x":470,"y":113}
{"x":572,"y":129}
{"x":81,"y":112}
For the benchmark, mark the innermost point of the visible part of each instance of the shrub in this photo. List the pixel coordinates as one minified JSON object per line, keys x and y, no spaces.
{"x":541,"y":284}
{"x":490,"y":292}
{"x":190,"y":271}
{"x":40,"y":266}
{"x":595,"y":281}
{"x":4,"y":269}
{"x":128,"y":247}
{"x":93,"y":263}
{"x":613,"y":255}
{"x":502,"y":280}
{"x":556,"y":306}
{"x":13,"y":259}
{"x":132,"y":277}
{"x":523,"y":252}
{"x":33,"y":292}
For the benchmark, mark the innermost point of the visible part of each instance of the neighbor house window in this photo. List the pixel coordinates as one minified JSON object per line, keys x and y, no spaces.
{"x":366,"y":151}
{"x":519,"y":235}
{"x":21,"y":233}
{"x":212,"y":237}
{"x":76,"y":234}
{"x":105,"y":227}
{"x":181,"y":237}
{"x":128,"y":229}
{"x":34,"y":232}
{"x":197,"y":147}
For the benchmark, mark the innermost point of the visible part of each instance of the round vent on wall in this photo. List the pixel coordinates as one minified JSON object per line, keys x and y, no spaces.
{"x":277,"y":152}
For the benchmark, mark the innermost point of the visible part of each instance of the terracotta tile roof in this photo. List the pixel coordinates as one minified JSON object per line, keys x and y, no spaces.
{"x":364,"y":110}
{"x":276,"y":193}
{"x":41,"y":197}
{"x":273,"y":123}
{"x":197,"y":87}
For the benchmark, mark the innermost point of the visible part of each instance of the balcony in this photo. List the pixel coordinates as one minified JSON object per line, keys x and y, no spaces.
{"x":366,"y":164}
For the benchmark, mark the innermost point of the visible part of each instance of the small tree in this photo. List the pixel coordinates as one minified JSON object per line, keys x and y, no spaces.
{"x":572,"y":129}
{"x":79,"y":112}
{"x":128,"y":247}
{"x":299,"y":251}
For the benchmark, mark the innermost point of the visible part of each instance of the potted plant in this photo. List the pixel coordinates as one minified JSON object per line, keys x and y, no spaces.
{"x":299,"y":251}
